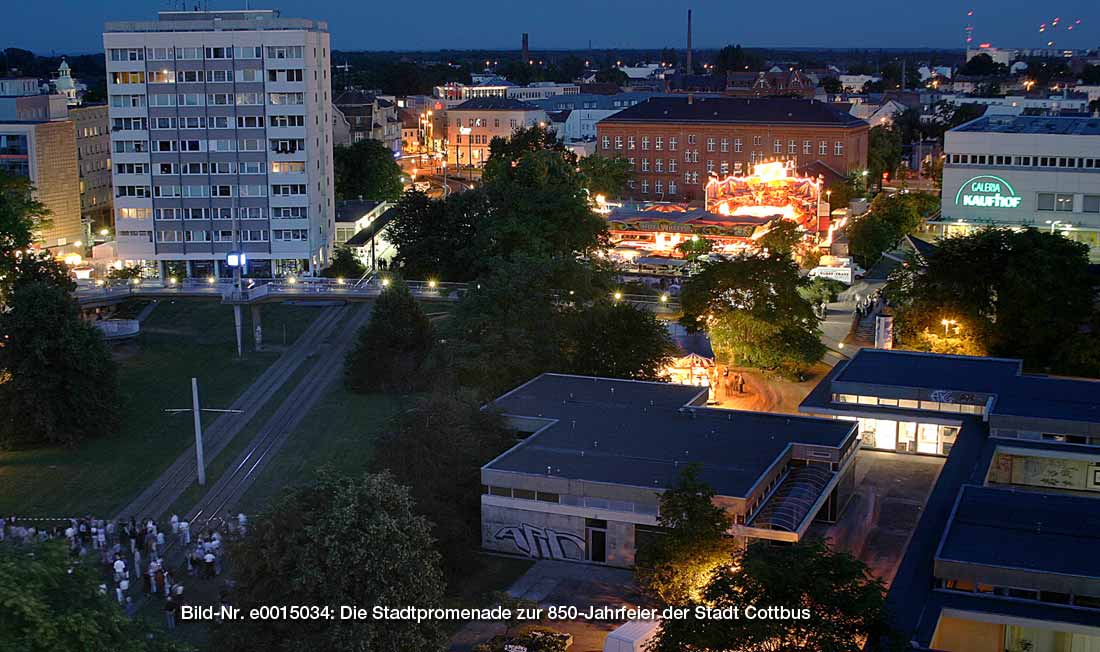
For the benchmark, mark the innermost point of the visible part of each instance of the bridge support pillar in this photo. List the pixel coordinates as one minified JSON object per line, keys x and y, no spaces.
{"x":237,"y":309}
{"x":187,"y":267}
{"x":257,"y":327}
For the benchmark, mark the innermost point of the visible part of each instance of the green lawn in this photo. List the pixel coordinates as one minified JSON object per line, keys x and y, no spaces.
{"x":180,"y":339}
{"x":338,"y":433}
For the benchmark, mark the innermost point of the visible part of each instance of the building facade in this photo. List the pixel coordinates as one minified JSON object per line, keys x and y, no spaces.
{"x":584,"y":484}
{"x":367,"y":116}
{"x":221,"y":134}
{"x":93,"y":151}
{"x":1002,"y":558}
{"x":676,"y":144}
{"x":472,"y":125}
{"x":1019,"y":171}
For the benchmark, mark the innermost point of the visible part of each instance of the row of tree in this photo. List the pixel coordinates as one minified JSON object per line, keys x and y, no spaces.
{"x":57,"y":380}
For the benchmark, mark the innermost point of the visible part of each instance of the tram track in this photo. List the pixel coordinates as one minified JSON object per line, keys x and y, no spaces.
{"x":159,"y":496}
{"x":301,"y":399}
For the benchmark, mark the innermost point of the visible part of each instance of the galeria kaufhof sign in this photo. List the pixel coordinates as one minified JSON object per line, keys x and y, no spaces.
{"x":987,"y":191}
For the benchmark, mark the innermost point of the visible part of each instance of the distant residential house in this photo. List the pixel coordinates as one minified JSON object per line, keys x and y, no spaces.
{"x":785,"y":83}
{"x":369,"y":116}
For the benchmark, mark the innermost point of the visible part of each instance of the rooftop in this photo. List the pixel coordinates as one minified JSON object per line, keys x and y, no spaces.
{"x":1017,"y":393}
{"x":641,"y":434}
{"x":217,"y":21}
{"x":1021,"y":124}
{"x":1047,"y":533}
{"x":710,"y":109}
{"x":494,"y":104}
{"x":350,"y":210}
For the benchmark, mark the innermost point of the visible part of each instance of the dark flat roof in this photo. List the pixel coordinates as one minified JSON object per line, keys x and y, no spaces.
{"x":1046,"y":533}
{"x":1017,"y":394}
{"x":706,"y":109}
{"x":635,"y":433}
{"x":933,"y":371}
{"x":350,"y":210}
{"x":1022,"y":124}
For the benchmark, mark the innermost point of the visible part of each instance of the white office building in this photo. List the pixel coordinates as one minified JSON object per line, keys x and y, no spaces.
{"x":1017,"y":171}
{"x":221,"y":141}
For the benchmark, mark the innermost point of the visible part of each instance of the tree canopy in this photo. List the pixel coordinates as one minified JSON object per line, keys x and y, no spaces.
{"x":605,"y":175}
{"x":751,"y":307}
{"x":393,"y":346}
{"x":676,"y":565}
{"x":61,"y":385}
{"x":437,"y":449}
{"x":888,"y":220}
{"x":884,"y":148}
{"x":782,"y":237}
{"x":340,"y":541}
{"x":838,"y":605}
{"x":53,"y":604}
{"x":366,"y":170}
{"x":1009,"y":293}
{"x":344,"y":264}
{"x":612,"y":339}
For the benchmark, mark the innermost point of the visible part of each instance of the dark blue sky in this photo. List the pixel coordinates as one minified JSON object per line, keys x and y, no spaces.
{"x":74,"y":26}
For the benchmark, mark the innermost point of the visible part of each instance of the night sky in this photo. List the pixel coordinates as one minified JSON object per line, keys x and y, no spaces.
{"x":74,"y":26}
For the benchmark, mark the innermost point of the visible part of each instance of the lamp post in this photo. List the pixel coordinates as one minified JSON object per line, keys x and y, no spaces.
{"x":947,"y":323}
{"x":236,"y":260}
{"x":1054,"y":225}
{"x":467,"y":131}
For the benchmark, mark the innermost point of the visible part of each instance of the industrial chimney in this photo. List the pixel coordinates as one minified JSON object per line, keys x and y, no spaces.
{"x":690,"y":70}
{"x":526,"y":50}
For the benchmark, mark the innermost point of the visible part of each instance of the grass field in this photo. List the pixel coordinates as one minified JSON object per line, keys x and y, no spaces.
{"x":338,"y":434}
{"x":180,"y":339}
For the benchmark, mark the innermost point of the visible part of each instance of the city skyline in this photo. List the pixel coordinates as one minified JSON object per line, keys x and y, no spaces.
{"x":497,"y":26}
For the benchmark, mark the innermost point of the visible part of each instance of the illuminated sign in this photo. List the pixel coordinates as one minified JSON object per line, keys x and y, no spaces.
{"x":987,"y":191}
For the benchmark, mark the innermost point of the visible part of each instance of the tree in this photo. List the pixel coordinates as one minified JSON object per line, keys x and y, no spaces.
{"x":832,"y":85}
{"x":782,"y":237}
{"x":60,"y":379}
{"x":21,"y":218}
{"x":695,"y":246}
{"x":616,"y":340}
{"x":339,"y":541}
{"x":392,"y":347}
{"x":888,"y":220}
{"x":751,"y":307}
{"x":733,"y":59}
{"x":607,"y":176}
{"x":675,"y":566}
{"x":539,"y":208}
{"x":884,"y":148}
{"x":54,"y":603}
{"x":344,"y":265}
{"x":837,"y":604}
{"x":1091,"y":75}
{"x":439,"y":238}
{"x":437,"y":449}
{"x":506,"y":329}
{"x":982,"y":65}
{"x":1014,"y":293}
{"x":366,"y":170}
{"x":612,"y":75}
{"x":536,"y":138}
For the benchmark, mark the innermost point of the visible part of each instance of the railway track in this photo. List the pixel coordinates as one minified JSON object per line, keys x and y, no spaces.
{"x":158,"y":497}
{"x":229,"y":488}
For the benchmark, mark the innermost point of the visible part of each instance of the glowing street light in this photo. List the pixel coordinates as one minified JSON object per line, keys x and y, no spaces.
{"x":947,"y":324}
{"x":618,"y":296}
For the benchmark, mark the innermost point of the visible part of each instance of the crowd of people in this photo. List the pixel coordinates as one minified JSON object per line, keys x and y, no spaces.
{"x":133,"y":553}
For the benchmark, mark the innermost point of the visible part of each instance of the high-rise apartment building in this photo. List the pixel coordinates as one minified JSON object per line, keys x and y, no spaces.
{"x":221,"y":140}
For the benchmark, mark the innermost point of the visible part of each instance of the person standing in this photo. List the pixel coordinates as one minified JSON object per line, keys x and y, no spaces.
{"x":170,"y":613}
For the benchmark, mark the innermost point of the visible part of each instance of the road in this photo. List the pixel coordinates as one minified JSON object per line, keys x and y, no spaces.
{"x":163,"y":492}
{"x":244,"y":470}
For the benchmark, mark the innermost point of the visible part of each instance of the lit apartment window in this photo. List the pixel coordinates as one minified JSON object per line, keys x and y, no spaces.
{"x":659,"y":143}
{"x":630,"y":142}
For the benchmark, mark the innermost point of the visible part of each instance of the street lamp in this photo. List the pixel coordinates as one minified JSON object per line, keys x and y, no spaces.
{"x":466,"y":131}
{"x":947,"y":323}
{"x":1054,"y":224}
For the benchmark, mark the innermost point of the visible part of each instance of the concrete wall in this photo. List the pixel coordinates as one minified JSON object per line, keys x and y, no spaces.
{"x":543,"y":535}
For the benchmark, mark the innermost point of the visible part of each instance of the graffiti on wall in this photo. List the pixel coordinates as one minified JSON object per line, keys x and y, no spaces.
{"x":543,"y":543}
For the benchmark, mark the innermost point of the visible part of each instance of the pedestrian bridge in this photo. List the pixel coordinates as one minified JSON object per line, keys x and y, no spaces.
{"x":99,"y":294}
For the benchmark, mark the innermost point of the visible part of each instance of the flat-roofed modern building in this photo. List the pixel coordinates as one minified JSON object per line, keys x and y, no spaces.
{"x":584,"y":484}
{"x":221,"y":134}
{"x":1003,"y":557}
{"x":1024,"y":171}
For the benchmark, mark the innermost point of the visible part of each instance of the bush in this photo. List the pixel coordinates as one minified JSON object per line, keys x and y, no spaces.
{"x":822,"y":290}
